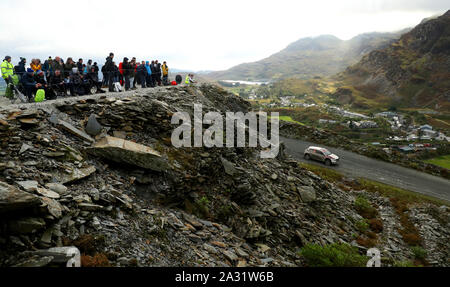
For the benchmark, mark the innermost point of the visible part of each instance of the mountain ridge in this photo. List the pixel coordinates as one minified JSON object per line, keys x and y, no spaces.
{"x":413,"y":70}
{"x":323,"y":55}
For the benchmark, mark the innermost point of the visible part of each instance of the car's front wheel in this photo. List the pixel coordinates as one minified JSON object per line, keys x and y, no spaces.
{"x":327,"y":162}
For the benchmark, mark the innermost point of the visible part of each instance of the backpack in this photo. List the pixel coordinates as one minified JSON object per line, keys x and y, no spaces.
{"x":117,"y":87}
{"x":178,"y":79}
{"x":40,"y":96}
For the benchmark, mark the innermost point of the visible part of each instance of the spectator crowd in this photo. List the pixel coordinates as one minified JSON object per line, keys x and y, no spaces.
{"x":58,"y":78}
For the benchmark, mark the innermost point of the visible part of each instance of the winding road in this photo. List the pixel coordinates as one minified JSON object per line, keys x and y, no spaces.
{"x":358,"y":166}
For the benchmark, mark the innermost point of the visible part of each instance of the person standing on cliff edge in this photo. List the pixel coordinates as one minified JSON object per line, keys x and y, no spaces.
{"x":7,"y":69}
{"x":110,"y":70}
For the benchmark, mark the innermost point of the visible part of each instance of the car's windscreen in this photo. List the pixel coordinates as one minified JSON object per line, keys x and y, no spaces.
{"x":326,"y":152}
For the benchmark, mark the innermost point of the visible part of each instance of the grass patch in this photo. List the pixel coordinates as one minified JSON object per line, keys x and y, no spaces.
{"x":401,"y":194}
{"x":325,"y":173}
{"x":334,"y":255}
{"x":289,"y":119}
{"x":419,"y":252}
{"x":364,"y":208}
{"x":404,"y":264}
{"x":362,"y":225}
{"x":442,"y":161}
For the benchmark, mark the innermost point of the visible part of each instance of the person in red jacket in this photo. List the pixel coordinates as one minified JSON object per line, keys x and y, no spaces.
{"x":121,"y":73}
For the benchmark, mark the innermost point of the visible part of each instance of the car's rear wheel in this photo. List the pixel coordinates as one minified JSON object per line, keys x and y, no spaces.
{"x":327,"y":162}
{"x":307,"y":157}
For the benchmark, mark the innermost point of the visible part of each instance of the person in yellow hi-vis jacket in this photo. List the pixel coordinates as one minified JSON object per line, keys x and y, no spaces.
{"x":189,"y":79}
{"x":7,"y":69}
{"x":165,"y":73}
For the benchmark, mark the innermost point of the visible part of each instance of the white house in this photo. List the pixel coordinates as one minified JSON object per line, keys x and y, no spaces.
{"x":430,"y":133}
{"x":426,"y":127}
{"x":442,"y":137}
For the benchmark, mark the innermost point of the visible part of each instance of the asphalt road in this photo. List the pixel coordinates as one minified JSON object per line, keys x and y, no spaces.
{"x":358,"y":166}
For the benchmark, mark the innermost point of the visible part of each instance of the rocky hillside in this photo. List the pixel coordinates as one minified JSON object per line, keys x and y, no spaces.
{"x":308,"y":57}
{"x":100,"y":173}
{"x":413,"y":71}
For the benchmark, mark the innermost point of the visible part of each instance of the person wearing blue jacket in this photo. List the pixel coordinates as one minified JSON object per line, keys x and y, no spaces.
{"x":148,"y":77}
{"x":29,"y":84}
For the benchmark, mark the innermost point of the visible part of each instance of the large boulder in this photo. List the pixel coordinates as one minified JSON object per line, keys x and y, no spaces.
{"x":124,"y":151}
{"x":307,"y":193}
{"x":93,"y":127}
{"x":13,"y":199}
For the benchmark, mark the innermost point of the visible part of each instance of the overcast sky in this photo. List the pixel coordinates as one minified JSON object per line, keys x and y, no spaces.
{"x":192,"y":34}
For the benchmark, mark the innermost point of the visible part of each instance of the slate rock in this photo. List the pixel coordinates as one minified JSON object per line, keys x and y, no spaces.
{"x":13,"y":199}
{"x":307,"y":193}
{"x":93,"y":127}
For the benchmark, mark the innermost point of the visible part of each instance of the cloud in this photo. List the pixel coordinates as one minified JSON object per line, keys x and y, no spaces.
{"x":196,"y":34}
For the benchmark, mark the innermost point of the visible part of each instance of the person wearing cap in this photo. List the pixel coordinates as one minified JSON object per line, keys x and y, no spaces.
{"x":20,"y":68}
{"x":7,"y":69}
{"x":95,"y":67}
{"x":39,"y":77}
{"x":76,"y":83}
{"x":29,"y":84}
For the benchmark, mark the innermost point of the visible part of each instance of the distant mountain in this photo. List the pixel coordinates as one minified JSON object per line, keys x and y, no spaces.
{"x":413,"y":71}
{"x":308,"y":57}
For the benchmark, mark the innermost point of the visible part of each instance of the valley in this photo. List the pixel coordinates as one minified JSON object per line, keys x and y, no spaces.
{"x":391,"y":104}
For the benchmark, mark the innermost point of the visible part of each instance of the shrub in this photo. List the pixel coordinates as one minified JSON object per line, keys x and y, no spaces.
{"x":411,"y":239}
{"x":419,"y":252}
{"x":366,"y":242}
{"x":376,"y":225}
{"x":372,"y":235}
{"x":364,"y":208}
{"x":362,"y":225}
{"x":98,"y":260}
{"x":224,"y":213}
{"x":202,"y":206}
{"x":334,"y":255}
